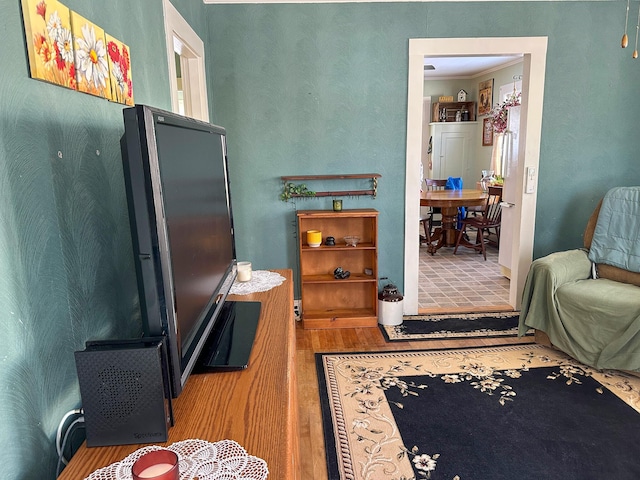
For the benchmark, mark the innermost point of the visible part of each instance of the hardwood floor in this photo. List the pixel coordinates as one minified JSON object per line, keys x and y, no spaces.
{"x":310,"y":342}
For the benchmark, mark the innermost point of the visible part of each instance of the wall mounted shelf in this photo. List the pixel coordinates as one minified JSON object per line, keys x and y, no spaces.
{"x":346,"y":193}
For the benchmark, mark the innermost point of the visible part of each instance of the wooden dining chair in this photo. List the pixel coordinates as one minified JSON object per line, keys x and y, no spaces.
{"x":427,"y":219}
{"x":478,"y":210}
{"x":490,"y":219}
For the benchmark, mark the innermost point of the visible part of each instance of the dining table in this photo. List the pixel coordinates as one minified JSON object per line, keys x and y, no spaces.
{"x":449,"y":201}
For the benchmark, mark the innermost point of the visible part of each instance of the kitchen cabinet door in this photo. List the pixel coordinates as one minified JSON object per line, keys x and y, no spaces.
{"x":452,"y":151}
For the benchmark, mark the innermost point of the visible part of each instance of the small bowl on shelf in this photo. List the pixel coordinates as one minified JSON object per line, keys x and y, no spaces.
{"x":351,"y":240}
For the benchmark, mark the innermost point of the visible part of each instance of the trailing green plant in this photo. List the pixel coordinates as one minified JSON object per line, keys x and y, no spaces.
{"x":295,"y":190}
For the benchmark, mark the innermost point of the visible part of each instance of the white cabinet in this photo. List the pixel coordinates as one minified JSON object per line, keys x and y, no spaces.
{"x":452,"y":151}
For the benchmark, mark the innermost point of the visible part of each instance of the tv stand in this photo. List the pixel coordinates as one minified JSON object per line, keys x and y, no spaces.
{"x":229,"y":344}
{"x":257,"y":407}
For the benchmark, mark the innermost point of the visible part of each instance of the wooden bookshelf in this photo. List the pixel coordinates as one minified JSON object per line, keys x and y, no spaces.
{"x":328,"y":302}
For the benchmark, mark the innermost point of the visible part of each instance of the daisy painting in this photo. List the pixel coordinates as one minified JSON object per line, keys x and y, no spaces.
{"x":49,"y":41}
{"x":119,"y":71}
{"x":92,"y":68}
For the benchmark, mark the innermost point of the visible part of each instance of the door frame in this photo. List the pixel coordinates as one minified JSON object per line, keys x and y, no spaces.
{"x":182,"y":39}
{"x":534,"y":50}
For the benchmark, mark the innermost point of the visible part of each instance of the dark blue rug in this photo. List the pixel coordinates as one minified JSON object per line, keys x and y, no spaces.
{"x":466,"y":325}
{"x":520,"y":412}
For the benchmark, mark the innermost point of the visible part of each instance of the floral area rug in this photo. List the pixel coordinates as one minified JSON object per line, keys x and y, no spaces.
{"x":469,"y":325}
{"x":508,"y":412}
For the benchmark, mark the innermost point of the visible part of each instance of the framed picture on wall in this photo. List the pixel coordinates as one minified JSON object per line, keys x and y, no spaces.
{"x":47,"y":26}
{"x":487,"y":132}
{"x":92,"y":69}
{"x":485,"y":94}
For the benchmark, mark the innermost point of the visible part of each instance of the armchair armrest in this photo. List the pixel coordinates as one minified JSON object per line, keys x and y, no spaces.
{"x":545,"y":276}
{"x":563,"y":267}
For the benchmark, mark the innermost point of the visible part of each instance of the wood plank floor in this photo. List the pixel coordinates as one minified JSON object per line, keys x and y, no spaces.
{"x":310,"y":342}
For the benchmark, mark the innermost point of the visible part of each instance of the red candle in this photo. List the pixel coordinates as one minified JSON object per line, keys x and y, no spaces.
{"x":156,"y":465}
{"x":154,"y":470}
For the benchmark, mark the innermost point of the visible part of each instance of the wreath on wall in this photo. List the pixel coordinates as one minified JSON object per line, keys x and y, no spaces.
{"x":498,"y":116}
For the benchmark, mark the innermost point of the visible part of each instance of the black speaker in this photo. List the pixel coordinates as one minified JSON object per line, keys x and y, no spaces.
{"x":124,"y":392}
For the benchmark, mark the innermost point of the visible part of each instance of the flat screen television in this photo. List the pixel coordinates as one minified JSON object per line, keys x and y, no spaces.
{"x":179,"y":201}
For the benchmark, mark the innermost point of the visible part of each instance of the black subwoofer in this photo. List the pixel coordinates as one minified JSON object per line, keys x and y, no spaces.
{"x":124,"y":392}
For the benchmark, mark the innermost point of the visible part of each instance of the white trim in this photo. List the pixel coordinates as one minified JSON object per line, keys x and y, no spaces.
{"x":182,"y":38}
{"x":535,"y":53}
{"x":240,"y":2}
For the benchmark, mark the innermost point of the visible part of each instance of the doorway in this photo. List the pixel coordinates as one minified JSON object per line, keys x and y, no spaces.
{"x":185,"y":58}
{"x":533,"y":50}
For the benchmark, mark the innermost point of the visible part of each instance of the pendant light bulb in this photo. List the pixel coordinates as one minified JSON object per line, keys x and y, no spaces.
{"x":625,"y":37}
{"x":635,"y":51}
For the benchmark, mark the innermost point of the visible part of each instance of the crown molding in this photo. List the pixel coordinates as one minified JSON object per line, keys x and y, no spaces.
{"x":242,"y":2}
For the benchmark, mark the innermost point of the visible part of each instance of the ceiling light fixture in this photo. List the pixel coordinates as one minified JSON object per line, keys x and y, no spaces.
{"x":625,"y":38}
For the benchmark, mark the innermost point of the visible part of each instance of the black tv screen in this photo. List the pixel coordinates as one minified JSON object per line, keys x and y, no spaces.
{"x":198,"y":220}
{"x":182,"y":227}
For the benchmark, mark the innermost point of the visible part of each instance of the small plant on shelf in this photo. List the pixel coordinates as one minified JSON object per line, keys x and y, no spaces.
{"x":292,"y":190}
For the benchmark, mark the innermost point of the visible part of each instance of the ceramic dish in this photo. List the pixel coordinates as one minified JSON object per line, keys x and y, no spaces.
{"x":351,"y":240}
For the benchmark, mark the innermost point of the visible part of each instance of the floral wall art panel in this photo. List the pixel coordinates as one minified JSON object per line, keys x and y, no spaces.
{"x":92,"y":69}
{"x":47,"y":27}
{"x":119,"y":71}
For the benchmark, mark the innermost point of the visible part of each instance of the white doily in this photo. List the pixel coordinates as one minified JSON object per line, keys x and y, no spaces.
{"x":198,"y":459}
{"x":261,"y":281}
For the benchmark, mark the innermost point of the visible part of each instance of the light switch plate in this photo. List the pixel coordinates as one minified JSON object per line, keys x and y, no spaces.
{"x":530,"y":184}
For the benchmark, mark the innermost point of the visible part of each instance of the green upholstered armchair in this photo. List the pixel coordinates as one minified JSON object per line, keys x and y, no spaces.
{"x":594,"y":320}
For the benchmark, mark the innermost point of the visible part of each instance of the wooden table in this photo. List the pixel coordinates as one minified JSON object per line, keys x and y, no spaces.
{"x":449,"y":201}
{"x":256,"y":407}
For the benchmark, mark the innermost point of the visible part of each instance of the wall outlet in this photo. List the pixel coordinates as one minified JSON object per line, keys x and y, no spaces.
{"x":297,"y":310}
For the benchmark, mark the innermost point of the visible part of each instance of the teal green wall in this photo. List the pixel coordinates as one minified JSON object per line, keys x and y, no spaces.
{"x":65,"y":246}
{"x":322,"y":88}
{"x":312,"y":89}
{"x":302,"y":89}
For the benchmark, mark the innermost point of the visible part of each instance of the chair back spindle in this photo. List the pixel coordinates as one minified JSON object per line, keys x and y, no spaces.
{"x":490,"y":219}
{"x":433,"y":184}
{"x":493,"y":210}
{"x":428,"y":221}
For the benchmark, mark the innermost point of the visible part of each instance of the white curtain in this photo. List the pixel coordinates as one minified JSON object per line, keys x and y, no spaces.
{"x":497,"y":156}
